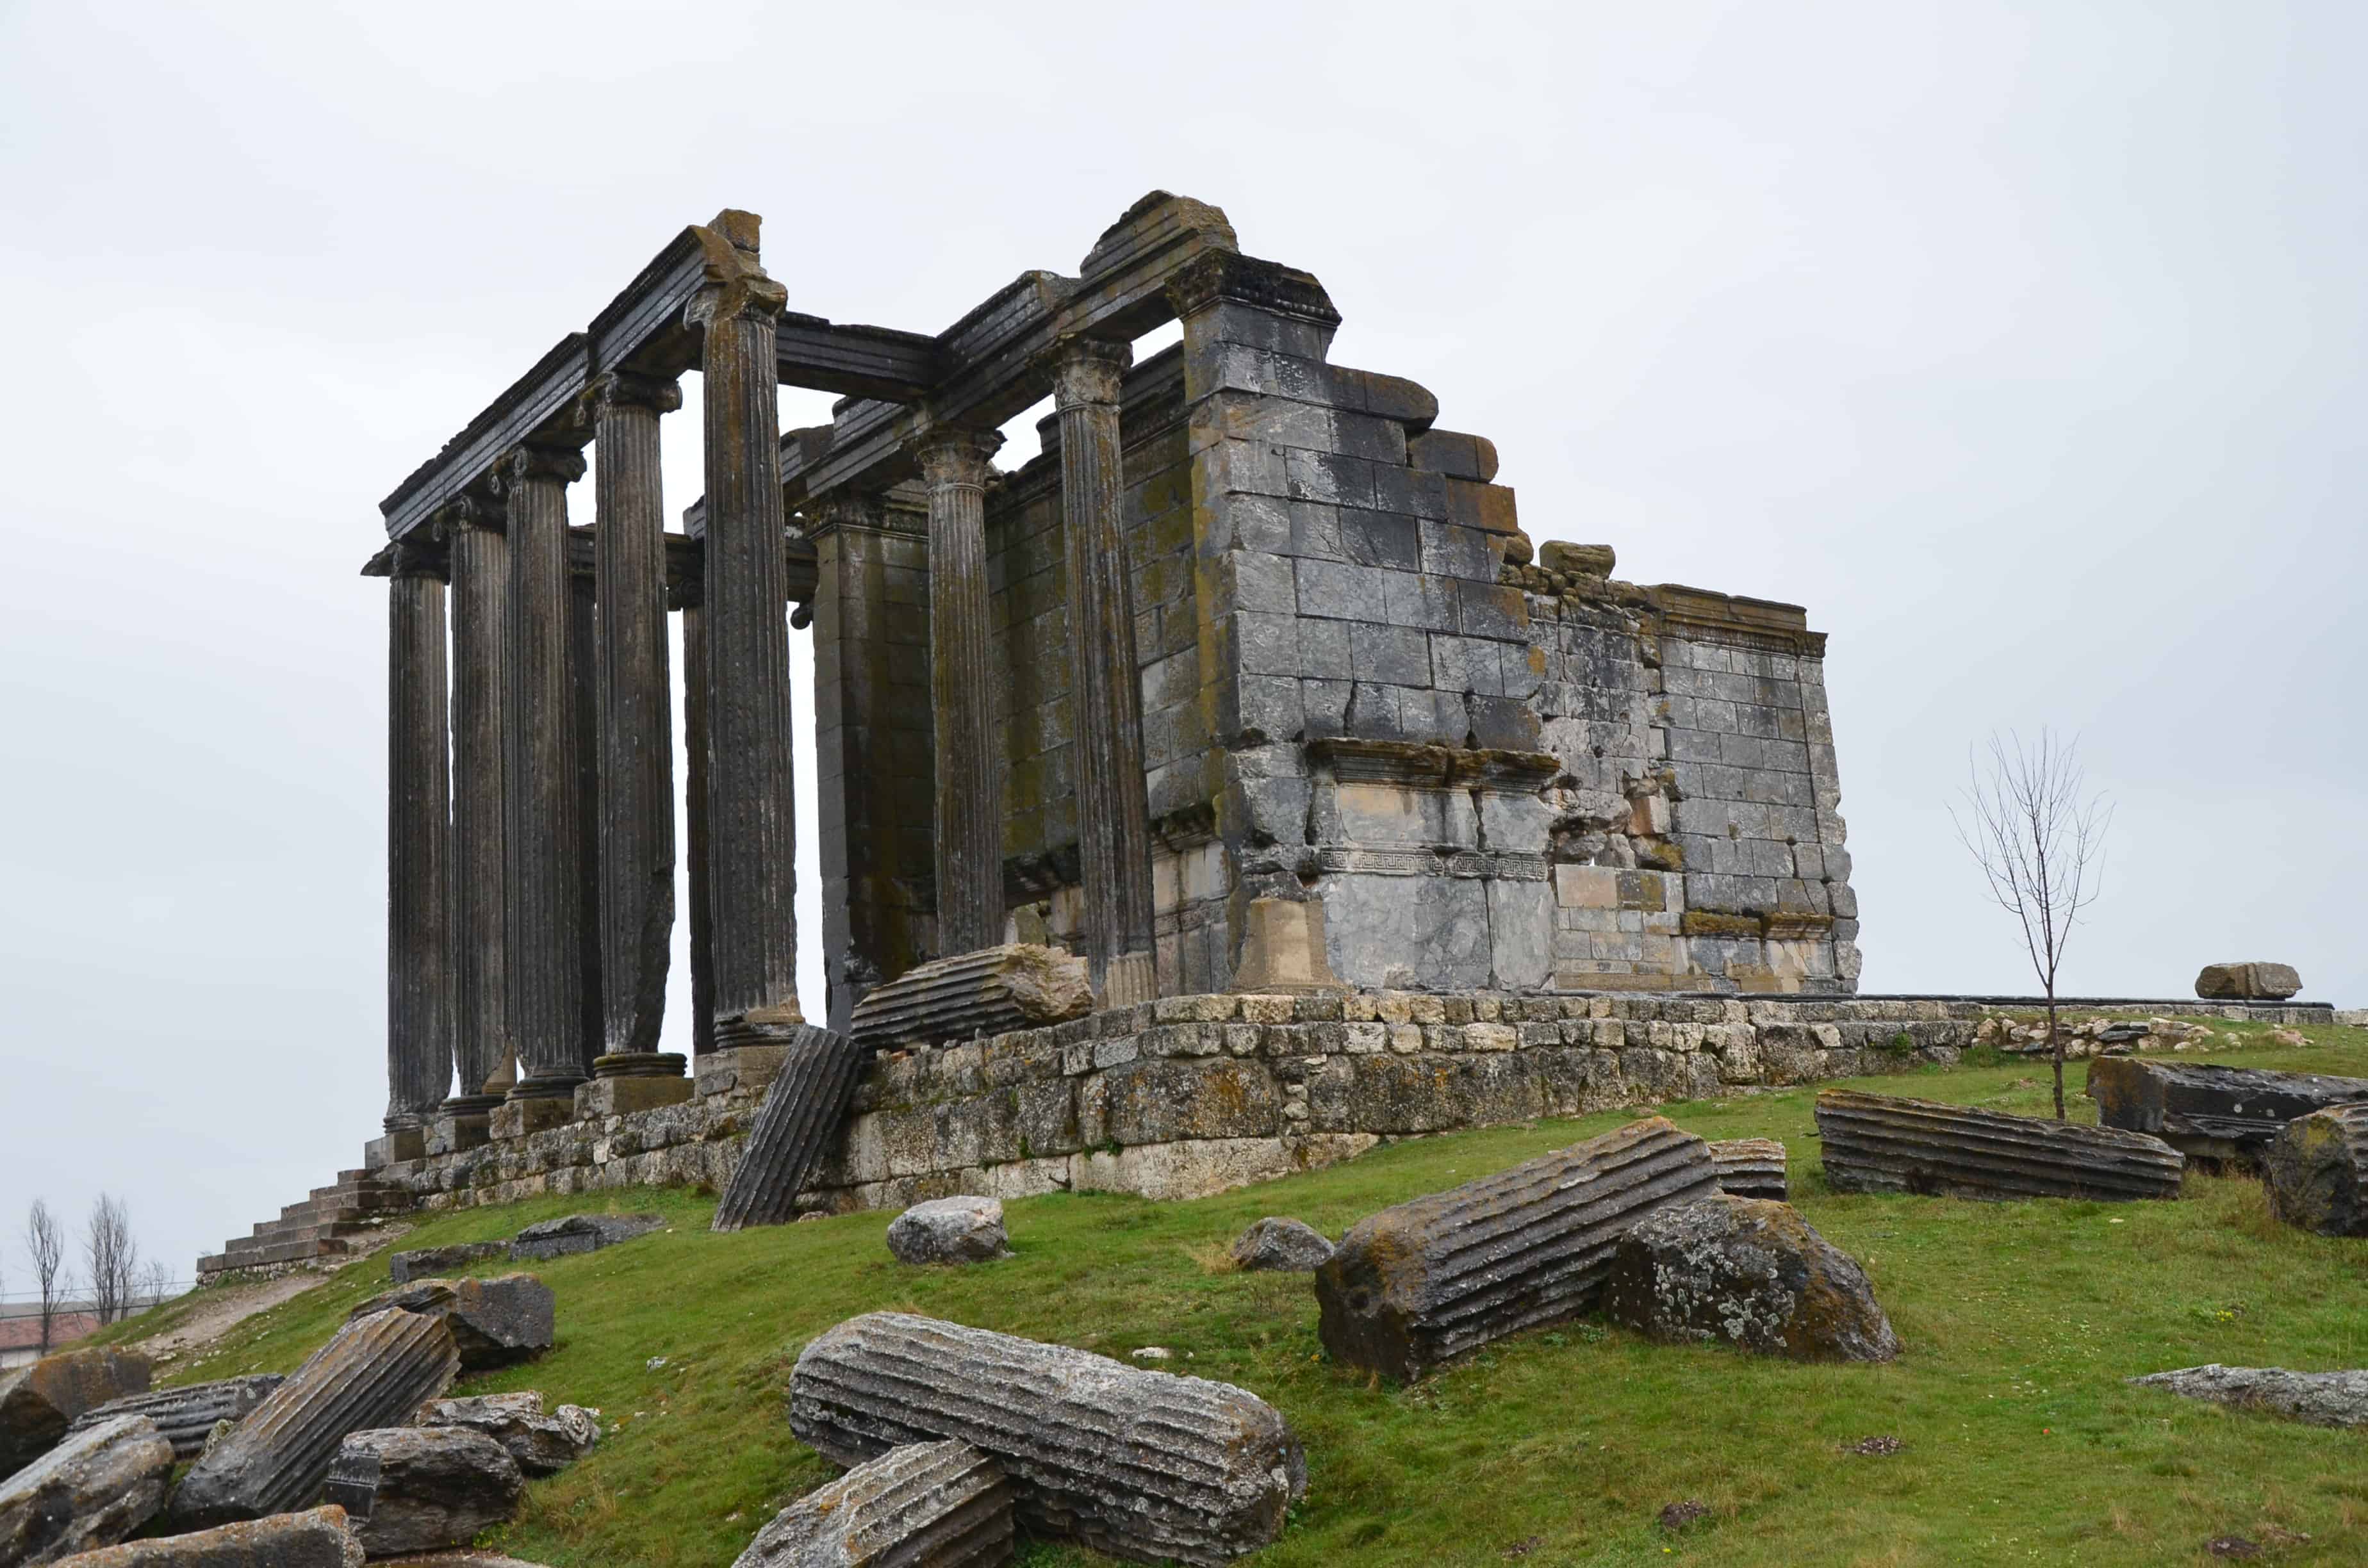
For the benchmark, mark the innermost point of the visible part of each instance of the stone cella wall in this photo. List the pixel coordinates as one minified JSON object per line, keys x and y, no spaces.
{"x":1193,"y":1095}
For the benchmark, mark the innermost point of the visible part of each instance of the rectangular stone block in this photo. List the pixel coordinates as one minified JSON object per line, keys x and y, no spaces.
{"x":523,"y":1118}
{"x":622,"y":1096}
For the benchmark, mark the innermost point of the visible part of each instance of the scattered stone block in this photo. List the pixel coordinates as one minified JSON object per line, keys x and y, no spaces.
{"x":2316,"y":1398}
{"x":435,"y":1263}
{"x":1138,"y":1464}
{"x":2248,"y":982}
{"x":316,"y":1539}
{"x":90,"y":1491}
{"x":2317,"y":1171}
{"x":1886,"y":1143}
{"x":1281,"y":1245}
{"x":542,"y":1444}
{"x":949,"y":1230}
{"x":38,"y":1403}
{"x":188,"y":1416}
{"x":494,"y":1323}
{"x":1747,"y":1272}
{"x":1752,"y":1167}
{"x":2227,"y":1116}
{"x":1429,"y":1280}
{"x":378,"y":1370}
{"x":803,"y":1105}
{"x":1018,"y":986}
{"x":419,"y":1488}
{"x":924,"y":1505}
{"x":580,"y":1233}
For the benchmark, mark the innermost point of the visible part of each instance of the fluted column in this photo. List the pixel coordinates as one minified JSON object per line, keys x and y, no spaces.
{"x":1105,"y":682}
{"x":694,"y":818}
{"x":418,"y":998}
{"x":969,"y":839}
{"x":545,"y":959}
{"x":636,"y":712}
{"x":752,"y":866}
{"x":478,"y":868}
{"x":584,"y":712}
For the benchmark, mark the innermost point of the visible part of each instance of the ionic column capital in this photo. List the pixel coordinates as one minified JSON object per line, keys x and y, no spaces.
{"x":419,"y":554}
{"x":630,"y":389}
{"x":1087,"y":371}
{"x":539,"y":462}
{"x":480,"y":506}
{"x":948,"y":455}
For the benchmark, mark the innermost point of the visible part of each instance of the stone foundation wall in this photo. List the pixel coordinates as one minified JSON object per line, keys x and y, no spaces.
{"x":1194,"y":1095}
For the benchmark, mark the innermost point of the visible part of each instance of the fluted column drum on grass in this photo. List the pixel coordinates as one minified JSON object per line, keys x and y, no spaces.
{"x":1142,"y":1465}
{"x":1886,"y":1143}
{"x":1429,"y":1280}
{"x":922,"y":1505}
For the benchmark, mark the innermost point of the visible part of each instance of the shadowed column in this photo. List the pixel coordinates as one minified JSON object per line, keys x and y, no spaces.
{"x":961,"y":691}
{"x":545,"y":956}
{"x":478,"y":868}
{"x":1105,"y":686}
{"x":636,"y":913}
{"x":752,"y":865}
{"x":692,"y":598}
{"x":419,"y":1000}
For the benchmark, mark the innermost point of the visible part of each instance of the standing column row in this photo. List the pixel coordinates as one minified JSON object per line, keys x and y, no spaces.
{"x":418,"y":1000}
{"x":962,"y":693}
{"x":477,"y":868}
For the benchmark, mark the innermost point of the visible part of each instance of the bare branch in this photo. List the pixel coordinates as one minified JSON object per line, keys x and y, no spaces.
{"x":45,"y":1242}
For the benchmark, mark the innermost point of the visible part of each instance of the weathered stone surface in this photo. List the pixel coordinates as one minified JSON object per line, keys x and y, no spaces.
{"x":377,"y":1370}
{"x":187,"y":1415}
{"x":2316,"y":1398}
{"x":1282,"y":1245}
{"x":40,"y":1402}
{"x":1138,"y":1464}
{"x":1884,"y":1143}
{"x":1747,"y":1272}
{"x":92,"y":1490}
{"x":1018,"y":986}
{"x":921,"y":1505}
{"x":1423,"y":1282}
{"x":580,"y":1233}
{"x":2317,"y":1171}
{"x":316,"y":1539}
{"x":1752,"y":1167}
{"x":2248,"y":982}
{"x":804,"y":1106}
{"x":429,"y":1263}
{"x":494,"y":1323}
{"x":542,"y":1444}
{"x":416,"y":1488}
{"x":2225,"y":1115}
{"x":949,"y":1230}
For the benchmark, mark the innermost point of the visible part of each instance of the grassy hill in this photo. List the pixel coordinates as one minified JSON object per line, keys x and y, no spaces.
{"x":2019,"y":1440}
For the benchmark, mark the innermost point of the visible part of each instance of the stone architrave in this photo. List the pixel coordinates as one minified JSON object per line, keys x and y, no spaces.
{"x":636,"y":906}
{"x":1105,"y":680}
{"x":1888,"y":1143}
{"x":969,"y":839}
{"x":545,"y":957}
{"x":1142,"y":1465}
{"x":419,"y":1488}
{"x":542,"y":1444}
{"x":374,"y":1371}
{"x":318,"y":1537}
{"x":477,"y":869}
{"x":418,"y":995}
{"x":2218,"y":1115}
{"x":921,"y":1505}
{"x":752,"y":828}
{"x":1426,"y":1282}
{"x":90,"y":1491}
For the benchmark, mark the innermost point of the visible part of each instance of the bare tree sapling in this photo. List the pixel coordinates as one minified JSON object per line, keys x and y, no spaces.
{"x":45,"y":1243}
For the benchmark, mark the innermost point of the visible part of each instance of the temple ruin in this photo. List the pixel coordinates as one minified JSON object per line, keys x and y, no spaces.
{"x":1250,"y":686}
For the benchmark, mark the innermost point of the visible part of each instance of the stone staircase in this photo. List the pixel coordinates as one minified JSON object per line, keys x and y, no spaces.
{"x":334,"y":1223}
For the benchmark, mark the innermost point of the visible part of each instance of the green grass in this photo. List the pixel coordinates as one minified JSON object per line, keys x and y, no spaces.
{"x":2018,"y":1323}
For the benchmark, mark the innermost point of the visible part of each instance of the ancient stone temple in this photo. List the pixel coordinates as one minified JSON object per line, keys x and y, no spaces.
{"x":1250,"y":685}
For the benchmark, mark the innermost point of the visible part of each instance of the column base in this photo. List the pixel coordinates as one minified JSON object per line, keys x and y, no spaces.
{"x":749,"y":1069}
{"x":399,"y":1144}
{"x":1130,"y":977}
{"x":469,"y":1104}
{"x":638,"y":1064}
{"x":621,"y":1097}
{"x":457,"y":1134}
{"x":523,"y":1118}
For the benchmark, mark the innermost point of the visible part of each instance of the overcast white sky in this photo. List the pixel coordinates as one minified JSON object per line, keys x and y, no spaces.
{"x":2022,"y":343}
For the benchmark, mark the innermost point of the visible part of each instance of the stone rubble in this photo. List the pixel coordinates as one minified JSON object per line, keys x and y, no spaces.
{"x":804,"y":1107}
{"x":1144,"y":1465}
{"x":1747,"y":1272}
{"x":90,"y":1491}
{"x":39,"y":1402}
{"x":2316,"y":1398}
{"x":494,"y":1323}
{"x":317,"y":1538}
{"x":920,"y":1505}
{"x":1282,"y":1245}
{"x":2248,"y":982}
{"x":1426,"y":1282}
{"x":2317,"y":1171}
{"x":949,"y":1230}
{"x":426,"y":1263}
{"x":542,"y":1444}
{"x":419,"y":1488}
{"x":376,"y":1372}
{"x":1887,"y":1144}
{"x":576,"y":1233}
{"x":188,"y":1416}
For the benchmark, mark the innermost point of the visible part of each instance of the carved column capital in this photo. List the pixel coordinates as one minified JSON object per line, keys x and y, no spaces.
{"x":630,"y":389}
{"x":842,"y":509}
{"x":420,"y":554}
{"x":1087,"y":370}
{"x":534,"y":461}
{"x":480,"y":506}
{"x":1197,"y":285}
{"x":750,"y":296}
{"x":950,"y":455}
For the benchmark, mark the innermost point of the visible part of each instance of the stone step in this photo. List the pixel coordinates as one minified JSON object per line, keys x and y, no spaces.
{"x":283,"y":1231}
{"x":260,"y":1254}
